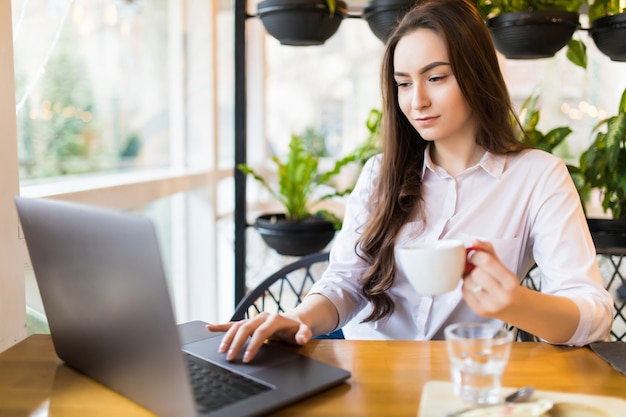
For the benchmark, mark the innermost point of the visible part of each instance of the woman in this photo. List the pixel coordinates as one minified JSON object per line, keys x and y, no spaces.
{"x":451,"y":167}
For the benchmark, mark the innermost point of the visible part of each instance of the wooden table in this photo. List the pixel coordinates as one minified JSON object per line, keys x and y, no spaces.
{"x":387,"y":379}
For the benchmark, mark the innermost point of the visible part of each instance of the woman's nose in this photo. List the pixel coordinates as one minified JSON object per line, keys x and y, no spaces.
{"x":420,"y":98}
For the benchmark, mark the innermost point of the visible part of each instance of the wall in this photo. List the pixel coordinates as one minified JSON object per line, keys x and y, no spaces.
{"x":12,"y":299}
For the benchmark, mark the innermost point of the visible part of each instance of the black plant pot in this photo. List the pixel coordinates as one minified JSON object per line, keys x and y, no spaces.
{"x":609,"y":35}
{"x":609,"y":235}
{"x":533,"y":34}
{"x":300,"y":22}
{"x":295,"y":238}
{"x":382,"y":16}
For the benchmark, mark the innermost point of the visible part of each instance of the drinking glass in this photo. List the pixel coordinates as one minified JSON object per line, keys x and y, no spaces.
{"x":478,"y":354}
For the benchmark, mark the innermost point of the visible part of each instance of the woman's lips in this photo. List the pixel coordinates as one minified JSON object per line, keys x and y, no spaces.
{"x":425,"y":121}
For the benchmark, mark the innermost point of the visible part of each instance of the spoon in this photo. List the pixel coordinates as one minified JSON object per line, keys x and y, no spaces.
{"x":519,"y":396}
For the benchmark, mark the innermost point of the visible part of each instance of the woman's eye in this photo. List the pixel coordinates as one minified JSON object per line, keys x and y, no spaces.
{"x":436,"y":78}
{"x":400,"y":84}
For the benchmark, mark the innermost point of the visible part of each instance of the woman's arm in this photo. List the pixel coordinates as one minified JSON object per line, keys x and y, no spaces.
{"x":550,"y":317}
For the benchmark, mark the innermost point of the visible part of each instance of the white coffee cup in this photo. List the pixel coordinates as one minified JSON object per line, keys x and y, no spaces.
{"x":434,"y":267}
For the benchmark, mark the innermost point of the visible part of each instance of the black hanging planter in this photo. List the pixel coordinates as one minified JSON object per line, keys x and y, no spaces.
{"x":382,"y":16}
{"x":609,"y":35}
{"x":301,"y":22}
{"x":532,"y":34}
{"x":295,"y":238}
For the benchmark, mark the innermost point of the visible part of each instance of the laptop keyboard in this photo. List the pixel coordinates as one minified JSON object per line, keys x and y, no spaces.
{"x":216,"y":387}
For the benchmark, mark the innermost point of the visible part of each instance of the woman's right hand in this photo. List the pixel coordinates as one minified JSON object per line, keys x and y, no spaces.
{"x":256,"y":331}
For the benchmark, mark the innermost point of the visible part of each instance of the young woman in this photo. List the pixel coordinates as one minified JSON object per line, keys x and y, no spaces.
{"x":451,"y":167}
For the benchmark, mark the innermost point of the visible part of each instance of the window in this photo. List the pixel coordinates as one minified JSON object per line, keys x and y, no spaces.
{"x":93,"y":86}
{"x":117,"y":105}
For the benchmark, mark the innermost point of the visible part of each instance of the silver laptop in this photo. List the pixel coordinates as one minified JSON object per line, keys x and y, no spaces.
{"x":106,"y":298}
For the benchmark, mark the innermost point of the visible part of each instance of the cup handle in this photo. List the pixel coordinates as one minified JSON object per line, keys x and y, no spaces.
{"x":469,"y":267}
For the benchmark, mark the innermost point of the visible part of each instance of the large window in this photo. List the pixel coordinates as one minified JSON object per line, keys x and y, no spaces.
{"x":92,"y":85}
{"x":117,"y":105}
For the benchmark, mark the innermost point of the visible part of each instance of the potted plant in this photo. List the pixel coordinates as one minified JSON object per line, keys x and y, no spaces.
{"x":302,"y":22}
{"x":299,"y":230}
{"x":603,"y":168}
{"x":607,"y":27}
{"x":531,"y":29}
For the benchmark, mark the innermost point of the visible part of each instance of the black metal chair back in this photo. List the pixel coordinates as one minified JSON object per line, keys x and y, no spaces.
{"x":284,"y":289}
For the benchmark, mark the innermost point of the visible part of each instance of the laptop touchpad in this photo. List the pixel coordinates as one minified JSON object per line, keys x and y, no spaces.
{"x":268,"y":356}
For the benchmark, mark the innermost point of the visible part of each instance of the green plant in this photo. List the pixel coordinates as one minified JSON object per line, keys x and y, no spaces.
{"x":491,"y":8}
{"x":577,"y":52}
{"x":332,"y":6}
{"x":603,"y":164}
{"x":601,"y":8}
{"x":299,"y":179}
{"x":535,"y":138}
{"x":373,"y":143}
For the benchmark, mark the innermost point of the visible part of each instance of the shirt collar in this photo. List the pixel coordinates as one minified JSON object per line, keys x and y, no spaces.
{"x":491,"y":163}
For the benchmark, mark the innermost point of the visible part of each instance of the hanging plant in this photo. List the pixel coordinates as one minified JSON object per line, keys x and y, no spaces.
{"x":302,"y":22}
{"x":530,"y":29}
{"x":607,"y":21}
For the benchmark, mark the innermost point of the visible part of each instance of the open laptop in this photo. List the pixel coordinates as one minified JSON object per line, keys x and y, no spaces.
{"x":106,"y":298}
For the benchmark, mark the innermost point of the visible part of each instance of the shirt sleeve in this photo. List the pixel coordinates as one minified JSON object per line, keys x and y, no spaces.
{"x":340,"y":283}
{"x":565,"y":254}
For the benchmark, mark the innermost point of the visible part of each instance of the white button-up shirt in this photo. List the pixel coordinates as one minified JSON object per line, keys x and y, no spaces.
{"x":524,"y":204}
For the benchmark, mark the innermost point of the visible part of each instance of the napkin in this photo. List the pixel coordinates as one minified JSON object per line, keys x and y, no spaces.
{"x":612,"y":352}
{"x":438,"y":399}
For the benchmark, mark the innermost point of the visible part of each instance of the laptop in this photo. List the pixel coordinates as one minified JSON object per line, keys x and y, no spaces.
{"x":104,"y":291}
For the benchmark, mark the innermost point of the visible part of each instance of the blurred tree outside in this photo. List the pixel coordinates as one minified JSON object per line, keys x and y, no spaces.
{"x":58,"y":135}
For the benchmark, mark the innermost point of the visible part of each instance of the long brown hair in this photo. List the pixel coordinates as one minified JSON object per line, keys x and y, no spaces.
{"x":397,"y":195}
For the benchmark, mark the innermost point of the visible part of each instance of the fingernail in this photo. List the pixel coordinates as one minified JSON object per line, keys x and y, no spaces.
{"x":230,"y":355}
{"x":246,"y":357}
{"x":222,"y":348}
{"x":469,"y":267}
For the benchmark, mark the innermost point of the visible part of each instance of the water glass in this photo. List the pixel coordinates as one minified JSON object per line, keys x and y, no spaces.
{"x":478,"y":354}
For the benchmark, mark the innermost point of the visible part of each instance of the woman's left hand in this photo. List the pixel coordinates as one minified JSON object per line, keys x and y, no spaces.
{"x":490,"y":288}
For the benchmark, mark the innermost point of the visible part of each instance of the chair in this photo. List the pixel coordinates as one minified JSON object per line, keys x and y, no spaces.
{"x":611,"y":267}
{"x":285,"y":289}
